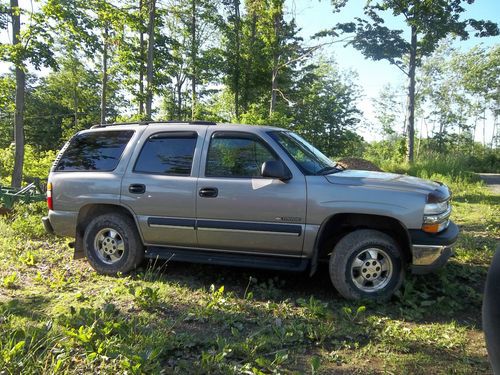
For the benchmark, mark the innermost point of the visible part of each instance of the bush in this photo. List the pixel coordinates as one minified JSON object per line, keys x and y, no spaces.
{"x":390,"y":155}
{"x":36,"y":164}
{"x":26,"y":219}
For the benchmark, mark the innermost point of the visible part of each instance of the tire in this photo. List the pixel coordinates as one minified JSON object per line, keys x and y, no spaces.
{"x":367,"y":264}
{"x":112,"y":244}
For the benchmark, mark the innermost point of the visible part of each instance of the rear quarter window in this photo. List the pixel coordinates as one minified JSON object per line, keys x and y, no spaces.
{"x":94,"y":151}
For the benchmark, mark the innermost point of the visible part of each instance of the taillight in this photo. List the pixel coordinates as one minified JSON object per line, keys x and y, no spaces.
{"x":50,"y":204}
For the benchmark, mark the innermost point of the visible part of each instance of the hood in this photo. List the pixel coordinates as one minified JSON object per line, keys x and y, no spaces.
{"x":382,"y":180}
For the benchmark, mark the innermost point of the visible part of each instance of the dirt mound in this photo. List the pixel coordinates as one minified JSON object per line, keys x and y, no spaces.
{"x":358,"y":163}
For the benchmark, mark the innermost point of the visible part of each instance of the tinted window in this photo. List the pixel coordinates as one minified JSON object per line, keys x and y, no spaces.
{"x":236,"y":156}
{"x":96,"y":151}
{"x":168,"y":153}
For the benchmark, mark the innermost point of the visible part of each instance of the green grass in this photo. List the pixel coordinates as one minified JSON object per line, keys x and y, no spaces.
{"x":58,"y":316}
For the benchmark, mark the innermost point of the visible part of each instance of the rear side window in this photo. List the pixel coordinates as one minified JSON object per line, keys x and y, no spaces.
{"x":168,"y":154}
{"x":96,"y":151}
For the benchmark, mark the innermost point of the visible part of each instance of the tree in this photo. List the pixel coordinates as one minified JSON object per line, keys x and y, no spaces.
{"x":232,"y":52}
{"x":325,"y":112}
{"x":458,"y":92}
{"x":7,"y":108}
{"x":478,"y":70}
{"x":196,"y":60}
{"x":30,"y":45}
{"x":389,"y":111}
{"x":428,"y":22}
{"x":150,"y":57}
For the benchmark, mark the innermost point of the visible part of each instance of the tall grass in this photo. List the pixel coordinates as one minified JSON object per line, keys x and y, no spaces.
{"x":452,"y":170}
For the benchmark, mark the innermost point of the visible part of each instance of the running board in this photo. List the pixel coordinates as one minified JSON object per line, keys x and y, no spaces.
{"x":228,"y":259}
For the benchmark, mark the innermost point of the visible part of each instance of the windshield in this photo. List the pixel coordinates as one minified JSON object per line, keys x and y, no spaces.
{"x":309,"y":159}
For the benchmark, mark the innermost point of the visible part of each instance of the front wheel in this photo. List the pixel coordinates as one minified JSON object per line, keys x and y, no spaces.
{"x":112,"y":244}
{"x":367,"y":264}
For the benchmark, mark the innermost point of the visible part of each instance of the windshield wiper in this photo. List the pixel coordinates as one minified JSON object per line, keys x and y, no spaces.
{"x":327,"y":170}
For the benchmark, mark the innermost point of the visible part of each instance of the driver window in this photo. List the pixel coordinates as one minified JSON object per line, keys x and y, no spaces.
{"x":236,"y":155}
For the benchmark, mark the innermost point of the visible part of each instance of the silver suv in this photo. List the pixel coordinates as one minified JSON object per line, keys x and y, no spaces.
{"x":252,"y":196}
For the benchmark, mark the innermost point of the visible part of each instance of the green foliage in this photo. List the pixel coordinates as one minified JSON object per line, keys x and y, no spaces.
{"x":26,"y":219}
{"x":37,"y":164}
{"x":9,"y":281}
{"x":432,"y":22}
{"x":72,"y":320}
{"x":145,"y":297}
{"x":453,"y":164}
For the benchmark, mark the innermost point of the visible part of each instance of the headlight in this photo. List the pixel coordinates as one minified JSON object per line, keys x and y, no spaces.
{"x":437,"y":211}
{"x":435,"y":208}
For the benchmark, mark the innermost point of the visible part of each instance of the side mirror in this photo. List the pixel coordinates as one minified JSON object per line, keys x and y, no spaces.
{"x":275,"y":169}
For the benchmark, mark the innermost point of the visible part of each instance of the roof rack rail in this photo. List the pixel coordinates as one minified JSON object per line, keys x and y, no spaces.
{"x":147,"y":122}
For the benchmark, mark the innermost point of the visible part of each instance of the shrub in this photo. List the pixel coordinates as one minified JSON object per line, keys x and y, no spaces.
{"x":36,"y":164}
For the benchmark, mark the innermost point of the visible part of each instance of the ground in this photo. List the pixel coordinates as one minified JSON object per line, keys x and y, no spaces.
{"x":57,"y":315}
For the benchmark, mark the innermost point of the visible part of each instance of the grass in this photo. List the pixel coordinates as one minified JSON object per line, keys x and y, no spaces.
{"x":58,"y":316}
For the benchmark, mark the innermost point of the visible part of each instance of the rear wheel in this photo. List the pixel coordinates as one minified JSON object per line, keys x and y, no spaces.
{"x":112,"y":244}
{"x":367,"y":264}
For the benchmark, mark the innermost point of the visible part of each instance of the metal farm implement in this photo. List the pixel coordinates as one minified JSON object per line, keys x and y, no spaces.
{"x":33,"y":192}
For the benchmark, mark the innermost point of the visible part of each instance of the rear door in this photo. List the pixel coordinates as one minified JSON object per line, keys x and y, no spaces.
{"x":238,"y":209}
{"x":160,"y":184}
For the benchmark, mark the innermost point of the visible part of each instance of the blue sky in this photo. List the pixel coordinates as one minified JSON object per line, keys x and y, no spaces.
{"x":313,"y":16}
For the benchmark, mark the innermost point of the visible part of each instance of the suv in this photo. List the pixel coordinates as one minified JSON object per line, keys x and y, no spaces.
{"x":252,"y":196}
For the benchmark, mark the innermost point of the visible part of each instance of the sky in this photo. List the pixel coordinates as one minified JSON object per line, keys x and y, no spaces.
{"x":313,"y":16}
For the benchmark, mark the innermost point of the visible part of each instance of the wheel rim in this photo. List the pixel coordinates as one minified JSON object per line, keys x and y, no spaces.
{"x":371,"y":270}
{"x":109,"y":245}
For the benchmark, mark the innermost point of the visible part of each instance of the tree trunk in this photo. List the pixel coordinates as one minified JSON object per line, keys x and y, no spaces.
{"x":179,"y":100}
{"x":141,"y":62}
{"x":484,"y":127}
{"x":237,"y":62}
{"x":75,"y":93}
{"x":104,"y":76}
{"x":274,"y":88}
{"x":17,"y":175}
{"x":194,"y":53}
{"x":248,"y":65}
{"x":274,"y":79}
{"x":411,"y":94}
{"x":151,"y":41}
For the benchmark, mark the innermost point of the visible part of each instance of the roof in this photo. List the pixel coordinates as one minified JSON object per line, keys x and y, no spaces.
{"x":222,"y":126}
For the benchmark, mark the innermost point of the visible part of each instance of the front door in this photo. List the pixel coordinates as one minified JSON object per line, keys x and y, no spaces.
{"x":238,"y":209}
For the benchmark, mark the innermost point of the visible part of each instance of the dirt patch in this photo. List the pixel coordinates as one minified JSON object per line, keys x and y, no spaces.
{"x":358,"y":163}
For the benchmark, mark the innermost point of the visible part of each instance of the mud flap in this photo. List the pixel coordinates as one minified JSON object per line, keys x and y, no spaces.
{"x":78,"y":246}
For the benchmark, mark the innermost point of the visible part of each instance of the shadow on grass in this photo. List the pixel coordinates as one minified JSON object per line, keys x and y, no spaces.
{"x":252,"y":331}
{"x":27,"y":307}
{"x":214,"y":331}
{"x":452,"y":294}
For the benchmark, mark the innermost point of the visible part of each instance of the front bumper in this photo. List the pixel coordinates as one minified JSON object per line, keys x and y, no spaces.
{"x":431,"y":251}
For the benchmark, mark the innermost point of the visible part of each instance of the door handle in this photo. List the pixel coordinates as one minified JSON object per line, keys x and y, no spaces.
{"x":137,"y":189}
{"x":208,"y":192}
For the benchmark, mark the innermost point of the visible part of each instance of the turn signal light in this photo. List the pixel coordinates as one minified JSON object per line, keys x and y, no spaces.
{"x":435,"y":227}
{"x":50,"y":204}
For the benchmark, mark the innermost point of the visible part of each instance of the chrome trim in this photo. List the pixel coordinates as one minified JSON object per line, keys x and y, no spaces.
{"x":169,"y":226}
{"x":433,"y":219}
{"x":248,"y":231}
{"x":424,"y":255}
